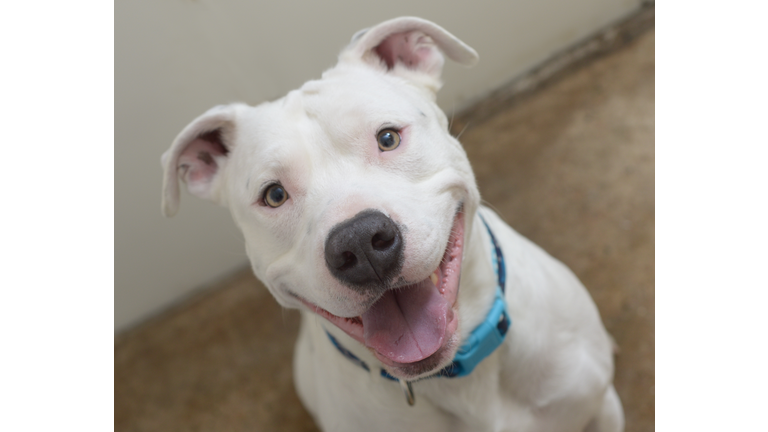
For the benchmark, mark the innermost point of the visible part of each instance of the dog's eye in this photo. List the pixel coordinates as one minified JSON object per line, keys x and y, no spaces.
{"x":388,"y":139}
{"x":275,"y":195}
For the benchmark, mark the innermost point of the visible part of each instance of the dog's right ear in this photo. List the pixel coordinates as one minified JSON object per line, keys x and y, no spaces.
{"x":198,"y":156}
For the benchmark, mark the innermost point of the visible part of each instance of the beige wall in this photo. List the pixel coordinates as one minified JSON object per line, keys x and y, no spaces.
{"x":176,"y":58}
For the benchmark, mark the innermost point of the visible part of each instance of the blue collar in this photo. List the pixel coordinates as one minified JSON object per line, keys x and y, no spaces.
{"x":483,"y":340}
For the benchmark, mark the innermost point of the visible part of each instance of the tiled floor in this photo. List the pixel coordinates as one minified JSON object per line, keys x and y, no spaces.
{"x":570,"y":166}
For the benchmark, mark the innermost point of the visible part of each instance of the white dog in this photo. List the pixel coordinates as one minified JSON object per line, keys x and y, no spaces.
{"x":421,"y":309}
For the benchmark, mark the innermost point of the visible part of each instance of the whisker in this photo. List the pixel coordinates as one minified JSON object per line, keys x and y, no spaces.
{"x":462,"y":131}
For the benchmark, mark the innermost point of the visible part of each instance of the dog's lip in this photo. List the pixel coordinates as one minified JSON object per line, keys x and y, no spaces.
{"x":353,"y":326}
{"x":448,"y":274}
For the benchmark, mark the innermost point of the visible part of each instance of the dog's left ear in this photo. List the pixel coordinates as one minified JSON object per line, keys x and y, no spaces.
{"x":409,"y":46}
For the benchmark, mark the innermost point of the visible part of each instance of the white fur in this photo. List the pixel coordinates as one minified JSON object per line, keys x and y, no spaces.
{"x":554,"y":370}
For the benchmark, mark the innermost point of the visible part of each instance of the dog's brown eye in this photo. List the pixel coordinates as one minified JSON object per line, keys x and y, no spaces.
{"x":275,"y":196}
{"x":388,"y":139}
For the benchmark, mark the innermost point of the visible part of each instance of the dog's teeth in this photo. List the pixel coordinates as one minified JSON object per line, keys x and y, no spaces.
{"x":433,"y":278}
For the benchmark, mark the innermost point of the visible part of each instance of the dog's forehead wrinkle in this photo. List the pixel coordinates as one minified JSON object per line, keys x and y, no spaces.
{"x":312,"y":87}
{"x":292,"y":100}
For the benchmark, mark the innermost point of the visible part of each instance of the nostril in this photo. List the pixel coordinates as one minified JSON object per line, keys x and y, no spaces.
{"x":382,"y":241}
{"x":349,"y":260}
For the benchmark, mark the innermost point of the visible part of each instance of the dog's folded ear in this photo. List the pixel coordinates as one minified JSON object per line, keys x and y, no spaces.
{"x":406,"y":45}
{"x":198,"y":156}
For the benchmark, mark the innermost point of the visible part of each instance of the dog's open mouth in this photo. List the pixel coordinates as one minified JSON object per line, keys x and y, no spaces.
{"x":412,"y":327}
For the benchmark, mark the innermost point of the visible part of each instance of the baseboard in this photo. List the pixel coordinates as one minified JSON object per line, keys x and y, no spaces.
{"x":597,"y":45}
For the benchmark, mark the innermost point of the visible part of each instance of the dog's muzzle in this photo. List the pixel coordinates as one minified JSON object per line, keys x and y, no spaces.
{"x":365,"y":252}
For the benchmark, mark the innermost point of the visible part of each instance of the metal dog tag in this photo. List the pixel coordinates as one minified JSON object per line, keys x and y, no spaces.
{"x":408,"y":390}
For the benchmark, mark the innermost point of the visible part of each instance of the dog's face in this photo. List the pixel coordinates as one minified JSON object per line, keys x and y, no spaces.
{"x":350,"y":192}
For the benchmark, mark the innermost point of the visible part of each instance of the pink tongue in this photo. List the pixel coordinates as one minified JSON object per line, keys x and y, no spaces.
{"x":408,"y":324}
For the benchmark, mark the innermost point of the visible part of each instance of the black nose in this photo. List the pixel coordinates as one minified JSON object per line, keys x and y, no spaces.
{"x":365,"y":251}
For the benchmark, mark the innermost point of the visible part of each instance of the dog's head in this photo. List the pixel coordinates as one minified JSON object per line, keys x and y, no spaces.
{"x":352,"y":195}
